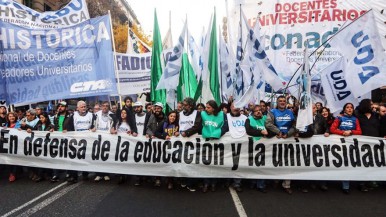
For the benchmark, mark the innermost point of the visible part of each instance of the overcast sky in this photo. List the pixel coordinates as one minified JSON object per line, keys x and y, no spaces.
{"x":197,"y":11}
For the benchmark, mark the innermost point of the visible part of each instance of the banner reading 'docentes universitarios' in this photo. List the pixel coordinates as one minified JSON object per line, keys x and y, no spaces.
{"x":41,"y":65}
{"x":316,"y":158}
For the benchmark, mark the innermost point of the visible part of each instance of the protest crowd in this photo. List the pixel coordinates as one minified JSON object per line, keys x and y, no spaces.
{"x":211,"y":121}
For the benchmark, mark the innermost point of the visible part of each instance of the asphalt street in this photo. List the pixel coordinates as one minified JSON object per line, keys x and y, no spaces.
{"x":106,"y":198}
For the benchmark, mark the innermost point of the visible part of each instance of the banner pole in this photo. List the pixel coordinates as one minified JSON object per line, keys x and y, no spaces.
{"x":115,"y":62}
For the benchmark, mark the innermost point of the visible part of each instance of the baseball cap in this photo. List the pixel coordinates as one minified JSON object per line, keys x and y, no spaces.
{"x":137,"y":104}
{"x":63,"y":103}
{"x":159,"y":104}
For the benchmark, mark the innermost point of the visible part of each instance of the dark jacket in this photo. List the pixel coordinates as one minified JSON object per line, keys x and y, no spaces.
{"x":56,"y":120}
{"x":39,"y":127}
{"x":370,"y":126}
{"x":320,"y":125}
{"x":154,"y":123}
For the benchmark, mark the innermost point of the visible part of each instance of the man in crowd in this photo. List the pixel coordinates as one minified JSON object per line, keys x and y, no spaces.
{"x":96,"y":108}
{"x":38,"y":110}
{"x":281,"y":122}
{"x":236,"y":124}
{"x":255,"y":126}
{"x":263,"y":107}
{"x":114,"y":109}
{"x":190,"y":119}
{"x":190,"y":123}
{"x":3,"y":113}
{"x":107,"y":122}
{"x":60,"y":120}
{"x":141,"y":118}
{"x":81,"y":120}
{"x":157,"y":118}
{"x":179,"y":107}
{"x":382,"y":114}
{"x":30,"y":121}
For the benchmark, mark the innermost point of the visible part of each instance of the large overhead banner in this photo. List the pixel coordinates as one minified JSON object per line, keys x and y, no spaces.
{"x":16,"y":13}
{"x":287,"y":24}
{"x":41,"y":65}
{"x":315,"y":158}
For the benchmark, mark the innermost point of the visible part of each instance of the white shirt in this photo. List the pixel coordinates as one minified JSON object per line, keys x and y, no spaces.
{"x":187,"y":122}
{"x":236,"y":125}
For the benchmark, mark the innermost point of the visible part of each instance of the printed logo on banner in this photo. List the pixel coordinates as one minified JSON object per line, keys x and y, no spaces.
{"x":90,"y":86}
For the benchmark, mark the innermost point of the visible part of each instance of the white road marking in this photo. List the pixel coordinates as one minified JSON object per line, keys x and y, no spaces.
{"x":33,"y":200}
{"x":237,"y":202}
{"x":48,"y":201}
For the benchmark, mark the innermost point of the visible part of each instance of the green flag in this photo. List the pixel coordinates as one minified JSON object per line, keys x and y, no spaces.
{"x":214,"y":83}
{"x":187,"y":83}
{"x":156,"y":65}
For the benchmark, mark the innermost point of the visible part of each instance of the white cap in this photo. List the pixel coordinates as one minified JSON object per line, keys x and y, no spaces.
{"x":159,"y":104}
{"x":137,"y":104}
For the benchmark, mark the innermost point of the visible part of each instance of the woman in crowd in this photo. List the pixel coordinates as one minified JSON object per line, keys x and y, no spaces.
{"x":327,"y":116}
{"x":165,"y":131}
{"x":123,"y":127}
{"x":44,"y":124}
{"x":214,"y":125}
{"x":346,"y":125}
{"x":12,"y":122}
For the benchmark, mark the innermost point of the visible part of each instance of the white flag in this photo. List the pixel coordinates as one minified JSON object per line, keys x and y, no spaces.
{"x":360,"y":45}
{"x":195,"y":53}
{"x":170,"y":76}
{"x":227,"y":67}
{"x":305,"y":116}
{"x":335,"y":86}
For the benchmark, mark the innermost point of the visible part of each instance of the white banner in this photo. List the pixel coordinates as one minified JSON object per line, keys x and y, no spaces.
{"x":16,"y":13}
{"x":133,"y":72}
{"x":287,"y":24}
{"x":316,"y":158}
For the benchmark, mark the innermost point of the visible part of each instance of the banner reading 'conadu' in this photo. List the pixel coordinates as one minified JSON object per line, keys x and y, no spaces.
{"x":316,"y":158}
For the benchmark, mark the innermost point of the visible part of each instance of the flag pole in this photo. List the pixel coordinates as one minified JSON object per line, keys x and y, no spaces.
{"x":115,"y":61}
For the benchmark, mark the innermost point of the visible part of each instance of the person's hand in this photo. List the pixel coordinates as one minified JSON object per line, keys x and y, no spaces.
{"x":346,"y":133}
{"x":284,"y":136}
{"x":134,"y":134}
{"x":93,"y":129}
{"x":167,"y":137}
{"x":113,"y":131}
{"x":153,"y":137}
{"x":51,"y":130}
{"x":29,"y":130}
{"x":183,"y":134}
{"x":279,"y":135}
{"x":147,"y":136}
{"x":64,"y":131}
{"x":176,"y":133}
{"x":326,"y":134}
{"x":264,"y":132}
